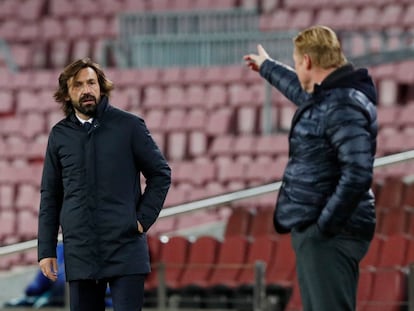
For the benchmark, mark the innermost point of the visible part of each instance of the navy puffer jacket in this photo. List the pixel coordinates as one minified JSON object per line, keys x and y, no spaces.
{"x":332,"y":147}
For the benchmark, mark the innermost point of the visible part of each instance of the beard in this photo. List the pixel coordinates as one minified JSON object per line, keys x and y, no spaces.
{"x":85,"y":106}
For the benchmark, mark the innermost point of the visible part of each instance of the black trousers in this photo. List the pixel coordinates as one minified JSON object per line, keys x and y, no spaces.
{"x":328,"y":269}
{"x":127,"y":293}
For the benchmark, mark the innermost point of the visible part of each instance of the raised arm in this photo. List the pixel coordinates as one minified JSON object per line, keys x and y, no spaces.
{"x":280,"y":75}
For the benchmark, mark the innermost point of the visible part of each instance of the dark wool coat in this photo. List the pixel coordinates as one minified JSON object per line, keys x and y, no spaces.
{"x":332,"y":148}
{"x":91,"y":188}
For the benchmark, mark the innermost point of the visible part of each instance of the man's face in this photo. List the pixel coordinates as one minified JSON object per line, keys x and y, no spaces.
{"x":84,"y":92}
{"x":302,"y":70}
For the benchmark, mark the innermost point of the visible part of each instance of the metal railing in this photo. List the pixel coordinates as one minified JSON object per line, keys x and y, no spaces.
{"x":196,"y":50}
{"x":259,"y":297}
{"x":187,"y":22}
{"x":218,"y":200}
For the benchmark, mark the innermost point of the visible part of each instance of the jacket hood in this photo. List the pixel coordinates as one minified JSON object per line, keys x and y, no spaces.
{"x":349,"y":77}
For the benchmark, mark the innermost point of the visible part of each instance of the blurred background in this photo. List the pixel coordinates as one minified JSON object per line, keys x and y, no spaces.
{"x":178,"y":64}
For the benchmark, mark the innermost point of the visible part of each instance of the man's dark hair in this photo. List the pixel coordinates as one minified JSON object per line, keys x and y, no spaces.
{"x":62,"y":93}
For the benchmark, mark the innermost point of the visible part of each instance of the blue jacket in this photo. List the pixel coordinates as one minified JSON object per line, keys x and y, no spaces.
{"x":332,"y":145}
{"x":91,"y":188}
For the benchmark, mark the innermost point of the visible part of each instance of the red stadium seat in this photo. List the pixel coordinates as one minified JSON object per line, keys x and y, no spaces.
{"x":281,"y":270}
{"x":365,"y":285}
{"x":238,"y":224}
{"x":262,"y":223}
{"x":295,"y":301}
{"x":372,"y":258}
{"x":388,"y":291}
{"x":201,"y":260}
{"x":394,"y":251}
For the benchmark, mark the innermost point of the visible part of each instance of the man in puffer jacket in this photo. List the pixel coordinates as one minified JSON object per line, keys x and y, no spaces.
{"x":325,"y":200}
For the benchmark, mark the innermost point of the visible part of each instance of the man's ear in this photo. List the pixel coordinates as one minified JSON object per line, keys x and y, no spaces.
{"x":308,"y":61}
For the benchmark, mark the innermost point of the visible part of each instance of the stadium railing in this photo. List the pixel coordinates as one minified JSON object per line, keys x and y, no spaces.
{"x":223,"y":199}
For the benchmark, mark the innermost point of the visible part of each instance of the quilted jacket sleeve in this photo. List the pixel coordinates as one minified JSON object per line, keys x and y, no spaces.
{"x":285,"y":79}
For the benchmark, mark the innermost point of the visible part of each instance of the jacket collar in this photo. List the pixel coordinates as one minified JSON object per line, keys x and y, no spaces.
{"x":102,"y":106}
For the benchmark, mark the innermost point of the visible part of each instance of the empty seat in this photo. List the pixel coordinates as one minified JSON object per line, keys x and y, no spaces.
{"x":262,"y":248}
{"x":391,"y":15}
{"x":277,"y":20}
{"x":201,"y":260}
{"x":261,"y":251}
{"x":215,"y":96}
{"x":262,"y":223}
{"x":223,"y":280}
{"x":222,"y":145}
{"x":365,"y":284}
{"x":7,"y":224}
{"x":388,"y":291}
{"x":238,"y":223}
{"x":26,"y":225}
{"x":393,"y":252}
{"x":177,"y":144}
{"x":392,"y":192}
{"x":272,"y":145}
{"x":6,"y":102}
{"x":392,"y":221}
{"x":372,"y":257}
{"x":295,"y":300}
{"x":174,"y":257}
{"x":280,"y":272}
{"x":153,"y":97}
{"x":27,"y":197}
{"x":175,"y":96}
{"x":195,"y":96}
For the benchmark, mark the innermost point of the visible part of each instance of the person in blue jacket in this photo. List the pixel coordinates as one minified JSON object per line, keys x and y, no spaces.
{"x":91,"y":189}
{"x":325,"y":200}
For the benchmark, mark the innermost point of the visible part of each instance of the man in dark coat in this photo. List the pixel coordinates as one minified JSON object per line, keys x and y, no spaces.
{"x":91,"y":188}
{"x":325,"y":199}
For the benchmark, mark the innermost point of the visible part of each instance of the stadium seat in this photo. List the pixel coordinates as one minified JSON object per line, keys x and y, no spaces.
{"x":154,"y":97}
{"x":388,"y":291}
{"x":27,"y":197}
{"x":261,"y":250}
{"x":201,"y":260}
{"x":277,"y":20}
{"x":6,"y":102}
{"x":262,"y":223}
{"x":295,"y":300}
{"x":219,"y":292}
{"x":244,"y":145}
{"x":391,"y":198}
{"x":175,"y":96}
{"x":222,"y":145}
{"x":59,"y":56}
{"x":269,"y":6}
{"x":373,"y":255}
{"x":7,"y":224}
{"x":301,"y":19}
{"x":392,"y":221}
{"x":238,"y":223}
{"x":26,"y":226}
{"x":391,"y":16}
{"x":393,"y":252}
{"x":216,"y":96}
{"x":365,"y":285}
{"x":174,"y":255}
{"x":195,"y":95}
{"x":281,"y":271}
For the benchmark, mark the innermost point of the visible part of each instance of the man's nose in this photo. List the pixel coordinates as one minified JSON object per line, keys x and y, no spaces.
{"x":86,"y":89}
